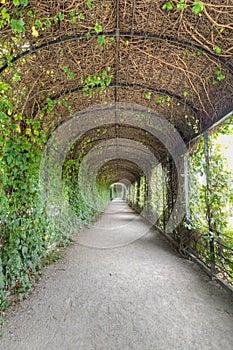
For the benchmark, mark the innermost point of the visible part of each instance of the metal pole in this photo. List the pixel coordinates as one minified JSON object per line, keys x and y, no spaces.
{"x":186,"y":188}
{"x":207,"y":198}
{"x":164,"y":184}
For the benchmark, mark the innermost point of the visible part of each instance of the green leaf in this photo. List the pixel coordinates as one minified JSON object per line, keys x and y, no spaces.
{"x":66,"y":69}
{"x":24,"y":250}
{"x":5,"y":14}
{"x":217,"y":49}
{"x":220,"y":76}
{"x":98,"y":28}
{"x":24,"y":3}
{"x":182,"y":5}
{"x":61,"y":16}
{"x":73,"y":20}
{"x":17,"y":25}
{"x":48,"y":23}
{"x":18,"y":13}
{"x":167,"y":6}
{"x":38,"y":23}
{"x":102,"y":40}
{"x":88,"y":35}
{"x":70,"y":75}
{"x":36,"y":124}
{"x":198,"y":7}
{"x":148,"y":95}
{"x":16,"y":2}
{"x":104,"y":74}
{"x":89,"y":4}
{"x":30,"y":13}
{"x":160,"y":100}
{"x":4,"y":87}
{"x":81,"y":16}
{"x":185,"y":93}
{"x":4,"y":117}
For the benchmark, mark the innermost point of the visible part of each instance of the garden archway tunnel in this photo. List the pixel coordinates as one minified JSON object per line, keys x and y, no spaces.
{"x":99,"y":92}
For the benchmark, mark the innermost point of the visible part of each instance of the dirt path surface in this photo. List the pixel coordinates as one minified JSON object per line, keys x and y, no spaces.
{"x":139,"y":295}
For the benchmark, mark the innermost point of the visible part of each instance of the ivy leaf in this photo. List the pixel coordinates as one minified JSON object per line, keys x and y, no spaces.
{"x":220,"y":76}
{"x":160,"y":100}
{"x":5,"y":14}
{"x":18,"y":13}
{"x":89,"y":4}
{"x":98,"y":28}
{"x":108,"y":81}
{"x":88,"y":35}
{"x":217,"y":49}
{"x":148,"y":95}
{"x":16,"y":2}
{"x":48,"y":23}
{"x":198,"y":7}
{"x":4,"y":117}
{"x":104,"y":74}
{"x":101,"y":40}
{"x":61,"y":16}
{"x":167,"y":6}
{"x":38,"y":23}
{"x":73,"y":20}
{"x":182,"y":5}
{"x":4,"y":87}
{"x":70,"y":76}
{"x":30,"y":13}
{"x":17,"y":25}
{"x":24,"y":3}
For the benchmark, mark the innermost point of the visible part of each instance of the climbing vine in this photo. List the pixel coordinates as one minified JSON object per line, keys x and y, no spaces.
{"x":211,"y":202}
{"x":57,"y":58}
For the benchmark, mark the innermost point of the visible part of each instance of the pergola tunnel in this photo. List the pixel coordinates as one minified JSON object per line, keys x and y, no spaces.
{"x":118,"y":190}
{"x":183,"y":193}
{"x":112,"y":99}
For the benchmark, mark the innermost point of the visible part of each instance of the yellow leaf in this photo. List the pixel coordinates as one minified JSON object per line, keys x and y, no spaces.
{"x":9,"y":112}
{"x":35,"y":32}
{"x":28,"y":132}
{"x":3,"y":1}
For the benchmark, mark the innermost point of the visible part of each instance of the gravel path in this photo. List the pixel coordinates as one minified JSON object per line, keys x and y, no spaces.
{"x":135,"y":295}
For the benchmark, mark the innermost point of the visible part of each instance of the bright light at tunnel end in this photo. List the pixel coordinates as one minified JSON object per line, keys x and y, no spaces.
{"x":67,"y":133}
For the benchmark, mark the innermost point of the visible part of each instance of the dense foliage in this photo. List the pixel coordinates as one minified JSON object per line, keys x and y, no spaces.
{"x":211,"y":203}
{"x":27,"y":234}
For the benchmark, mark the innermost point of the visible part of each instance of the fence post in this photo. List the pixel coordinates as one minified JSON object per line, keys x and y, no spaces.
{"x":207,"y":174}
{"x":186,"y":187}
{"x":164,"y":184}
